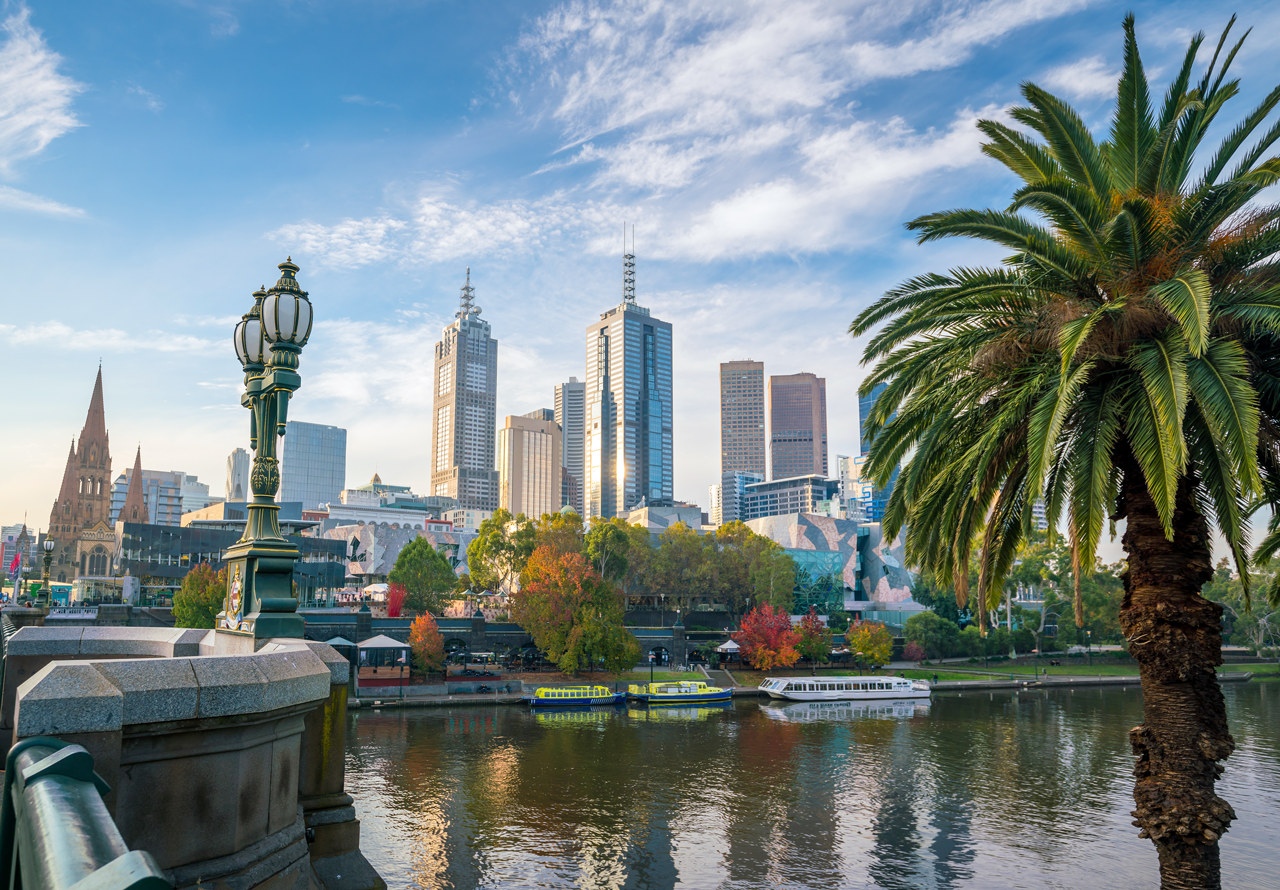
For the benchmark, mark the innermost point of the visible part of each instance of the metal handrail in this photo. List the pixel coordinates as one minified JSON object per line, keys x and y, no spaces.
{"x":55,"y":831}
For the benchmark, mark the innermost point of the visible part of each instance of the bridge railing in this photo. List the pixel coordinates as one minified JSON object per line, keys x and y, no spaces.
{"x":55,"y":831}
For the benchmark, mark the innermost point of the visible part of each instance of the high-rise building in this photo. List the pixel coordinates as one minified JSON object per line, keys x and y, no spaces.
{"x":313,"y":466}
{"x":529,"y":464}
{"x":715,"y":510}
{"x":195,"y":494}
{"x":876,"y":499}
{"x":238,"y":463}
{"x":733,"y":494}
{"x":155,"y":493}
{"x":779,"y":497}
{"x":628,"y":432}
{"x":865,"y":404}
{"x":742,"y":435}
{"x":465,"y":382}
{"x":571,"y":415}
{"x":79,"y":520}
{"x":797,"y":426}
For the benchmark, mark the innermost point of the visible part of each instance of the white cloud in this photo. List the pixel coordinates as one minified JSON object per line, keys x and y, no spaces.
{"x":365,"y":100}
{"x":35,"y":99}
{"x":152,"y":101}
{"x":1084,"y":79}
{"x":105,"y":339}
{"x":15,"y":199}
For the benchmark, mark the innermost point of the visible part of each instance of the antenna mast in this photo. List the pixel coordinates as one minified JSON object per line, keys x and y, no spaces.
{"x":467,"y":307}
{"x":628,"y":265}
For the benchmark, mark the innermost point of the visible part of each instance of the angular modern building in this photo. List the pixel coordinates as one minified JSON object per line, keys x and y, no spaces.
{"x":238,"y":476}
{"x":571,"y":414}
{"x":742,"y":421}
{"x":797,"y":426}
{"x":313,"y":467}
{"x":464,"y":419}
{"x":529,"y":464}
{"x":628,"y":432}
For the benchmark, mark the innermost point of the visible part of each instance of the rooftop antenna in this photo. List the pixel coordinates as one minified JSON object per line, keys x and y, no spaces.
{"x":628,"y":265}
{"x":468,"y":307}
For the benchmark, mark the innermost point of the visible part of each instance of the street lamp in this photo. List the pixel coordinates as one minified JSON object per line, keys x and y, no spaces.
{"x":268,"y":340}
{"x":46,"y":598}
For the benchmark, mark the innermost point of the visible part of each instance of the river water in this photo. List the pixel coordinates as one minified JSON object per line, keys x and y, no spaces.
{"x":976,"y":790}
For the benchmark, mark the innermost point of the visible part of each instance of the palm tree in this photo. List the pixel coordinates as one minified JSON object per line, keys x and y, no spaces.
{"x":1122,"y":363}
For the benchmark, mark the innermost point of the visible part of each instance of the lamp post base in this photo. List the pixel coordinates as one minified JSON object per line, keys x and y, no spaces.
{"x":260,"y":602}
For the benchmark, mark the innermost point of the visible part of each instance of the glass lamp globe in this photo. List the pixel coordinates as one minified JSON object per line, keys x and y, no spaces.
{"x":49,"y":545}
{"x":248,"y":341}
{"x":286,"y":312}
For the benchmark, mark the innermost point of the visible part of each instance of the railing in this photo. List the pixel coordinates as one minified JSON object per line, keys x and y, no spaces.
{"x":55,"y":831}
{"x":7,"y":630}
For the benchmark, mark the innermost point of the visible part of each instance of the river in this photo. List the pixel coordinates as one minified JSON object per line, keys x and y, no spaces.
{"x":974,"y":790}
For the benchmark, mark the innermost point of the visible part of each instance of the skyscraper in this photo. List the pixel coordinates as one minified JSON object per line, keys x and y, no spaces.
{"x":571,"y":415}
{"x":465,"y":380}
{"x":628,"y":435}
{"x":865,"y":404}
{"x":238,"y":476}
{"x":159,"y":491}
{"x":797,"y":426}
{"x":878,"y":498}
{"x":742,"y":417}
{"x":529,"y":464}
{"x":313,"y":468}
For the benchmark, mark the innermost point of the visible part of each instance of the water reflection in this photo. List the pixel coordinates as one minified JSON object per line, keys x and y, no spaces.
{"x":1000,"y":789}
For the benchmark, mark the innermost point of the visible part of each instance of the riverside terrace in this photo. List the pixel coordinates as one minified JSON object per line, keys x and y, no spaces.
{"x":219,"y":764}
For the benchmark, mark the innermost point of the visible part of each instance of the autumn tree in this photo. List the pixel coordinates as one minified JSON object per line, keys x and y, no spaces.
{"x":200,"y":598}
{"x":573,"y":614}
{"x":745,"y":569}
{"x":500,"y":550}
{"x":815,"y":638}
{"x":426,"y":644}
{"x":425,"y":574}
{"x":874,"y":641}
{"x":766,"y":638}
{"x":563,"y":532}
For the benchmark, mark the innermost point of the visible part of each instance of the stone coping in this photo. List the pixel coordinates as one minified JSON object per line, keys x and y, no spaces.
{"x":106,"y":695}
{"x":105,"y":642}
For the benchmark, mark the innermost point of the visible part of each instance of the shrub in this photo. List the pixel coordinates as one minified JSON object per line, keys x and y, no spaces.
{"x":913,"y":651}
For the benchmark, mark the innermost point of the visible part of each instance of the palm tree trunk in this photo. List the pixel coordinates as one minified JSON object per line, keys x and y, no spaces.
{"x":1176,"y":637}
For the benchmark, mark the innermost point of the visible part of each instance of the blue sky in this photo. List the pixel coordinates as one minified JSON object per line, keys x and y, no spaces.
{"x":159,"y":157}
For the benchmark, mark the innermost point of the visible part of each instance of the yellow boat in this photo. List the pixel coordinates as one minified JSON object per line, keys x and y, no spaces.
{"x":574,"y":696}
{"x":681,"y":692}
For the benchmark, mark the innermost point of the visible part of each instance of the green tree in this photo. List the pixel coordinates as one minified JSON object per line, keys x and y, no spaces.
{"x":1119,"y":364}
{"x":935,"y":634}
{"x":607,"y":546}
{"x":425,"y":574}
{"x":745,"y":569}
{"x":680,"y":574}
{"x":873,"y":640}
{"x":496,"y":557}
{"x":815,"y":639}
{"x":563,"y":532}
{"x":200,"y":598}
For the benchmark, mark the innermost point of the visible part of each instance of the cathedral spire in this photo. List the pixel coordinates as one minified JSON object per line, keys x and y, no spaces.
{"x":135,"y":502}
{"x":95,"y":422}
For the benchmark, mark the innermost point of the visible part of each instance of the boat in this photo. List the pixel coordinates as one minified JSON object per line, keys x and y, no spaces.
{"x":680,"y":692}
{"x":844,"y":711}
{"x":574,"y":696}
{"x":844,"y":688}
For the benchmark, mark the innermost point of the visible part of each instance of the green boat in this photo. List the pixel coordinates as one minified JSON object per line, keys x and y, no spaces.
{"x":681,"y":692}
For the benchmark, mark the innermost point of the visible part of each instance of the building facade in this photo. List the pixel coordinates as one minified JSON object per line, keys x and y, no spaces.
{"x":875,"y":498}
{"x":378,"y":503}
{"x":79,"y":522}
{"x":160,"y":492}
{"x":529,"y":464}
{"x":781,"y":497}
{"x":628,"y":427}
{"x":313,"y":464}
{"x":571,"y":414}
{"x":733,"y":494}
{"x":742,"y":420}
{"x":797,"y":426}
{"x":464,"y":417}
{"x":238,"y":463}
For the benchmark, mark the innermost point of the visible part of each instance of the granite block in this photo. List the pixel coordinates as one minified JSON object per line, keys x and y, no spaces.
{"x":339,"y":667}
{"x":127,"y":642}
{"x":186,"y":641}
{"x":294,"y":676}
{"x":155,"y":689}
{"x":66,"y":697}
{"x":45,"y":641}
{"x":229,"y":685}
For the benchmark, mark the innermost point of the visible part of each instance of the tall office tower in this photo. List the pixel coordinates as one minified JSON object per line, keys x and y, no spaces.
{"x":571,"y":415}
{"x":238,"y":475}
{"x":313,"y":468}
{"x":742,"y":417}
{"x":529,"y":464}
{"x":877,"y":498}
{"x":628,"y":438}
{"x":715,"y":509}
{"x":865,"y":405}
{"x":797,"y":426}
{"x":466,"y":385}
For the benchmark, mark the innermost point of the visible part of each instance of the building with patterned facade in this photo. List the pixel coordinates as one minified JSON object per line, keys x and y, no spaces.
{"x":742,"y":421}
{"x":797,"y":425}
{"x":79,"y":522}
{"x":464,"y":417}
{"x":628,"y":428}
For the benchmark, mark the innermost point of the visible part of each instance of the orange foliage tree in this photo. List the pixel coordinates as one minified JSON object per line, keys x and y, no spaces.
{"x":426,"y":644}
{"x":767,"y":639}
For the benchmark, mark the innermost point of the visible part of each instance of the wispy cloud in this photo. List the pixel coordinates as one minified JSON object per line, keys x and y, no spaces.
{"x":35,"y":98}
{"x":365,"y":100}
{"x":1084,"y":79}
{"x":152,"y":101}
{"x":15,"y":199}
{"x":104,"y":339}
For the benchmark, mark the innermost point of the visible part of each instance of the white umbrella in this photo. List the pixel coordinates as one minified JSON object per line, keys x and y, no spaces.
{"x":730,"y":646}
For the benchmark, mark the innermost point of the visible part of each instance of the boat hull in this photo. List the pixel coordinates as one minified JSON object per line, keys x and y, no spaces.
{"x":584,"y":701}
{"x":851,"y":696}
{"x":723,"y":695}
{"x":820,"y":689}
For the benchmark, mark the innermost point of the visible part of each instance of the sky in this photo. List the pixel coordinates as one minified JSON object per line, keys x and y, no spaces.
{"x":158,"y":158}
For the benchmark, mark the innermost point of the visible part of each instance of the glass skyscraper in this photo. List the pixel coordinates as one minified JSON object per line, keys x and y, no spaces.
{"x":571,"y":415}
{"x":628,"y":441}
{"x":313,"y":467}
{"x":873,"y":505}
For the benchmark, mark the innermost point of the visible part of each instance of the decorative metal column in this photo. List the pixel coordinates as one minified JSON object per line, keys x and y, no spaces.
{"x":46,"y":594}
{"x":268,"y":340}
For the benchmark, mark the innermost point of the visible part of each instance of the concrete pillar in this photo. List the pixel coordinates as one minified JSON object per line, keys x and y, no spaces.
{"x":364,"y":625}
{"x":478,"y":641}
{"x":679,"y":646}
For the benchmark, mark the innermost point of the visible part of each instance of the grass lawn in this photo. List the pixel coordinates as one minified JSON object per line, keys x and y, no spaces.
{"x":1072,"y":668}
{"x":944,"y":676}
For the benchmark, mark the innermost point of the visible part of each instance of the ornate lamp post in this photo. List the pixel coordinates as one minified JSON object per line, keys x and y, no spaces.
{"x":46,"y":595}
{"x":268,"y":340}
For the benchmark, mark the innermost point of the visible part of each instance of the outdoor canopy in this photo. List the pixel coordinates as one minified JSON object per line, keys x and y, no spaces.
{"x":730,"y":646}
{"x":382,"y":650}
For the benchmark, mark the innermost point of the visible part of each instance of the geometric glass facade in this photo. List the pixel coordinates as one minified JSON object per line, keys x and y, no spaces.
{"x":874,"y":504}
{"x":313,"y":466}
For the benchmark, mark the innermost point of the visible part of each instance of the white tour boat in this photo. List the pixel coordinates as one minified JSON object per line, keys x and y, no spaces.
{"x":843,"y":688}
{"x":844,"y":711}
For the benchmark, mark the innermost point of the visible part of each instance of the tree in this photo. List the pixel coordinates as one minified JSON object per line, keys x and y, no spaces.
{"x":1121,"y":363}
{"x":563,"y":532}
{"x":395,"y":600}
{"x":607,"y":544}
{"x":935,"y":634}
{"x":874,"y":641}
{"x":425,"y":575}
{"x":573,"y":614}
{"x":500,"y":550}
{"x":426,"y":644}
{"x":766,"y":638}
{"x":815,"y":638}
{"x":1253,"y":625}
{"x":913,"y":651}
{"x":680,"y":570}
{"x":746,"y":569}
{"x":200,"y":598}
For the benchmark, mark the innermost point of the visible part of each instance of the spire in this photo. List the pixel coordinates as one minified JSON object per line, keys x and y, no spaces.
{"x":467,"y":305}
{"x":95,"y":422}
{"x":135,"y":505}
{"x":67,"y":493}
{"x":628,"y":265}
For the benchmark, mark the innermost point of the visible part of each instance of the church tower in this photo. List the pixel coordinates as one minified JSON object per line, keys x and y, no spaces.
{"x":135,"y":501}
{"x":79,"y":522}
